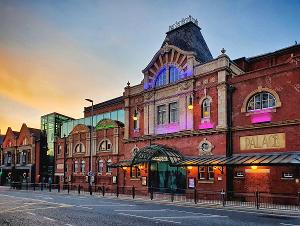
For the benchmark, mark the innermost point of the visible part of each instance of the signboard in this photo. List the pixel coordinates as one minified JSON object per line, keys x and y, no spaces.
{"x":144,"y":181}
{"x":114,"y":179}
{"x":191,"y":182}
{"x":260,"y":142}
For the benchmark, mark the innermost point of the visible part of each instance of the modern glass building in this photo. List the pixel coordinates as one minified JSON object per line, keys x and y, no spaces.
{"x":68,"y":126}
{"x":51,"y":125}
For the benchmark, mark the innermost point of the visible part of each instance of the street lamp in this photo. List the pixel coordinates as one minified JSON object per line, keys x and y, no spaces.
{"x":90,"y":165}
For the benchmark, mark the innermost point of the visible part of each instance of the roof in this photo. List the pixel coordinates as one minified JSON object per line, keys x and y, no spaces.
{"x":149,"y":153}
{"x":260,"y":159}
{"x":35,"y":132}
{"x":104,"y":104}
{"x":188,"y":37}
{"x":59,"y":114}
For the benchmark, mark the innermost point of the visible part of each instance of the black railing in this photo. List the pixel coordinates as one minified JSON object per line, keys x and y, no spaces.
{"x":223,"y":198}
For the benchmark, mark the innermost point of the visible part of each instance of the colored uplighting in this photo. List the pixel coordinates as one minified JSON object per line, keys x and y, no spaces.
{"x":261,"y":117}
{"x":206,"y":125}
{"x":254,"y":167}
{"x":190,"y":106}
{"x":189,"y":167}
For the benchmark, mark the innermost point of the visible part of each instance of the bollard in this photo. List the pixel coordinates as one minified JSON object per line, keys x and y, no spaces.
{"x":34,"y":186}
{"x":27,"y":186}
{"x":172,"y":195}
{"x":91,"y":189}
{"x":103,"y":190}
{"x":195,"y":195}
{"x":299,"y":199}
{"x":58,"y":187}
{"x":78,"y":189}
{"x":133,"y":192}
{"x":68,"y":189}
{"x":257,"y":199}
{"x":151,"y":193}
{"x":223,"y":197}
{"x":42,"y":187}
{"x":49,"y":187}
{"x":117,"y":191}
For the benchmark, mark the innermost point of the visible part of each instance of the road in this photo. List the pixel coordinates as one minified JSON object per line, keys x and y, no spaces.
{"x":44,"y":208}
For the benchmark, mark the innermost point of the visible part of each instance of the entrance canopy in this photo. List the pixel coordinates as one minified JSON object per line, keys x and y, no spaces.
{"x":157,"y":153}
{"x":261,"y":159}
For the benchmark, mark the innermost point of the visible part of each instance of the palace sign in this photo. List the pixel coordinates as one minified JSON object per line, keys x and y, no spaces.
{"x":259,"y":142}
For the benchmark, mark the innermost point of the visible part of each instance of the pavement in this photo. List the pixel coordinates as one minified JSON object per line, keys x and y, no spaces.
{"x":52,"y":208}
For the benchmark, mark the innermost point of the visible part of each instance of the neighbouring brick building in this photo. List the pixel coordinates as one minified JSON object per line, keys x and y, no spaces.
{"x":196,"y":122}
{"x":22,"y":155}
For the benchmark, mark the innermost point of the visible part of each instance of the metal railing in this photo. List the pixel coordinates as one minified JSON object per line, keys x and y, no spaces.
{"x":258,"y":200}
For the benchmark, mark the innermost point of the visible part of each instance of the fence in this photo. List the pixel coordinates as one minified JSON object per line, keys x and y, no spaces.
{"x":256,"y":200}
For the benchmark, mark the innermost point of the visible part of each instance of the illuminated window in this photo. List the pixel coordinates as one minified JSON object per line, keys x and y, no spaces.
{"x":206,"y":173}
{"x":137,"y":121}
{"x":82,"y":166}
{"x":161,"y":78}
{"x":135,"y":172}
{"x":261,"y":101}
{"x":108,"y":168}
{"x":174,"y":74}
{"x":25,"y":141}
{"x":173,"y":112}
{"x":161,"y":114}
{"x":76,"y":166}
{"x":100,"y":166}
{"x":205,"y":108}
{"x":210,"y":172}
{"x":105,"y":145}
{"x":202,"y":173}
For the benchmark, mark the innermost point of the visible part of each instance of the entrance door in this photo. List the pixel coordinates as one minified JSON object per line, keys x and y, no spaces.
{"x":165,"y":178}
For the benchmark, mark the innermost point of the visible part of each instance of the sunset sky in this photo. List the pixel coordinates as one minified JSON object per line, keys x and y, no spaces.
{"x":54,"y":54}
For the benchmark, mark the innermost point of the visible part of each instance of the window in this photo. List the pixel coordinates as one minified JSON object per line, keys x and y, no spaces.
{"x":76,"y":166}
{"x":173,"y":112}
{"x":161,"y":114}
{"x":82,"y":166}
{"x":261,"y":101}
{"x":137,"y":121}
{"x":23,"y":158}
{"x":100,"y":166}
{"x":105,"y":145}
{"x":135,"y":172}
{"x":174,"y":74}
{"x":161,"y":78}
{"x":67,"y":149}
{"x":239,"y":174}
{"x":79,"y":148}
{"x":287,"y":175}
{"x":108,"y":168}
{"x":206,"y":173}
{"x":25,"y":141}
{"x":206,"y":108}
{"x":59,"y":149}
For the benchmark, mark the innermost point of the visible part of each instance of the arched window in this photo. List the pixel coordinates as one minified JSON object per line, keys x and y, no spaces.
{"x":100,"y":166}
{"x":82,"y":166}
{"x":79,"y":148}
{"x":105,"y":145}
{"x":25,"y":141}
{"x":262,"y":100}
{"x":108,"y":168}
{"x":175,"y":74}
{"x":161,"y":78}
{"x":205,"y":108}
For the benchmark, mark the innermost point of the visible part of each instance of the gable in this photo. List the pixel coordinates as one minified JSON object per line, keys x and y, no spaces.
{"x":9,"y":137}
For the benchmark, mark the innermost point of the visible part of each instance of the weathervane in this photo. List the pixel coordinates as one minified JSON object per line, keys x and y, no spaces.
{"x":182,"y":22}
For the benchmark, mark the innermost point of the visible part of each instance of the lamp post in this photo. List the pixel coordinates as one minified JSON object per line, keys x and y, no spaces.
{"x":90,"y":165}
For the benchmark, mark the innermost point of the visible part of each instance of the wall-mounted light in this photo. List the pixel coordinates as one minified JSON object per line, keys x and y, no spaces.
{"x":254,"y":167}
{"x":141,"y":167}
{"x":124,"y":168}
{"x":189,"y":167}
{"x":190,"y":106}
{"x":135,"y":118}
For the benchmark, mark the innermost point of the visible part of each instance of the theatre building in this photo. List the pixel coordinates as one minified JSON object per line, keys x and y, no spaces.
{"x":200,"y":122}
{"x":22,"y":155}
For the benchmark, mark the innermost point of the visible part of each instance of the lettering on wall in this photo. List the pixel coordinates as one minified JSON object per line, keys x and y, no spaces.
{"x":266,"y":141}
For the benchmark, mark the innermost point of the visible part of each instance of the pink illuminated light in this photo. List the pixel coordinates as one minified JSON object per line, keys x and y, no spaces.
{"x":206,"y":125}
{"x":261,"y":117}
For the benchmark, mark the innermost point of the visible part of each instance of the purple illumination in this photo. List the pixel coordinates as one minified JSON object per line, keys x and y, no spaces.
{"x":261,"y":116}
{"x":168,"y":128}
{"x":206,"y":125}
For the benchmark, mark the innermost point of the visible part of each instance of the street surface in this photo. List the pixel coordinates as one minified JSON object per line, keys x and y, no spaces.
{"x":45,"y":208}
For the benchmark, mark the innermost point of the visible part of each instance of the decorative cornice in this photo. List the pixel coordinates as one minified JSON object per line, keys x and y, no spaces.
{"x":268,"y":125}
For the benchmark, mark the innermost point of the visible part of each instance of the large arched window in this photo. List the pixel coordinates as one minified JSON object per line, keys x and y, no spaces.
{"x":161,"y":78}
{"x":79,"y":148}
{"x":262,"y":100}
{"x":175,"y":74}
{"x":105,"y":145}
{"x":205,"y":108}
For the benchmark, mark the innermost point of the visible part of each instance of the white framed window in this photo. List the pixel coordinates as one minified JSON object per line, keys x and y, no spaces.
{"x":202,"y":173}
{"x":76,"y":166}
{"x":100,"y":166}
{"x":83,"y":166}
{"x":135,"y":172}
{"x":260,"y":101}
{"x":210,"y":172}
{"x":173,"y":112}
{"x":161,"y":114}
{"x":206,"y":173}
{"x":108,"y":168}
{"x":105,"y":145}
